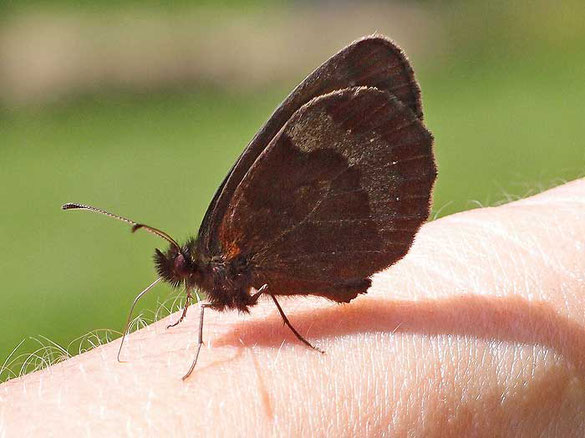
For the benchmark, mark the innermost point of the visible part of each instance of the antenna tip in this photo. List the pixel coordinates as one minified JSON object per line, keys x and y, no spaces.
{"x":70,"y":206}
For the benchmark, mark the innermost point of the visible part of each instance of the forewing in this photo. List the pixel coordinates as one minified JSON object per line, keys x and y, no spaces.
{"x":372,"y":61}
{"x":337,"y":195}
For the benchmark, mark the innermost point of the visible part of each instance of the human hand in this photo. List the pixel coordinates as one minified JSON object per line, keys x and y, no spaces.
{"x":478,"y":331}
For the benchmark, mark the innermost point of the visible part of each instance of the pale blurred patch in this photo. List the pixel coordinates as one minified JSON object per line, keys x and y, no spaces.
{"x":51,"y":55}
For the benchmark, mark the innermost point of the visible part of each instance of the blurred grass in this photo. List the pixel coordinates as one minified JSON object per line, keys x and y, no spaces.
{"x":8,"y":7}
{"x":506,"y":113}
{"x":507,"y":131}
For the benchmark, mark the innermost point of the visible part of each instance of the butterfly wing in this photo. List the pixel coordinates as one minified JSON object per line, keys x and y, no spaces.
{"x":371,"y":61}
{"x":337,"y":195}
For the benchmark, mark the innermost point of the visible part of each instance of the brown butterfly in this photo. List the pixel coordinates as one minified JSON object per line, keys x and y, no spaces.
{"x":332,"y":189}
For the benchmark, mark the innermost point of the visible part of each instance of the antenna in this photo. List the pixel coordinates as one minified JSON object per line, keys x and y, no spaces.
{"x":135,"y":225}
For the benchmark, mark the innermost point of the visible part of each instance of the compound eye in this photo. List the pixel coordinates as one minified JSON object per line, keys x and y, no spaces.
{"x":180,"y":264}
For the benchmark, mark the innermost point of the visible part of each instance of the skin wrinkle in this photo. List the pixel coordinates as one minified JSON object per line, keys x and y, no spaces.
{"x":499,"y":230}
{"x":540,"y":250}
{"x":262,"y":389}
{"x":444,"y":265}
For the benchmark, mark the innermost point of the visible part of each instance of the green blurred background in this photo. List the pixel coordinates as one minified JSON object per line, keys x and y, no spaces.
{"x":141,"y":109}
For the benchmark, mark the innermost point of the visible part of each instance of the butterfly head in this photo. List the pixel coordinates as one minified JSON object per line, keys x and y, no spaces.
{"x":177,"y":265}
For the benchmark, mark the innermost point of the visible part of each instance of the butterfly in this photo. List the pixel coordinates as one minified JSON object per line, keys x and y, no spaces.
{"x":332,"y":189}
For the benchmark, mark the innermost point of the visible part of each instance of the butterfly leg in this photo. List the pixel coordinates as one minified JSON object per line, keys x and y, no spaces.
{"x":287,"y":322}
{"x":259,"y":292}
{"x":184,"y":314}
{"x":202,"y":307}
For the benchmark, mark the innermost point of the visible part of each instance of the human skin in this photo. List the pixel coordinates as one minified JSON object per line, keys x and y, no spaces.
{"x":478,"y":331}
